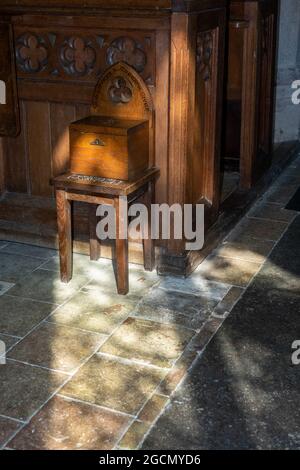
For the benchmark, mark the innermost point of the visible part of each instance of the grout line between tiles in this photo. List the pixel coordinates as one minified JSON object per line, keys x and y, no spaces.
{"x":12,"y":419}
{"x":38,"y":366}
{"x":31,"y":300}
{"x":95,"y":405}
{"x":11,"y":336}
{"x":125,"y":361}
{"x":83,"y":330}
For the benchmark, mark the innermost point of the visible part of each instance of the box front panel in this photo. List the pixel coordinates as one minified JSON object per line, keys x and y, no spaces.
{"x":97,"y":154}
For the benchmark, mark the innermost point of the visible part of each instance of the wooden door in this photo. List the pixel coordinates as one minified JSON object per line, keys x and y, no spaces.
{"x":9,"y":113}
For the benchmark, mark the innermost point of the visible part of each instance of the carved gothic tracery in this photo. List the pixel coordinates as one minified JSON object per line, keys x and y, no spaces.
{"x":82,"y":54}
{"x":127,"y":50}
{"x":204,"y":53}
{"x":32,"y":54}
{"x":120,"y":92}
{"x":77,"y":56}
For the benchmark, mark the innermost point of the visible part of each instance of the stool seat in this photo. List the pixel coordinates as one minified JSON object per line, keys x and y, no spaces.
{"x":95,"y":191}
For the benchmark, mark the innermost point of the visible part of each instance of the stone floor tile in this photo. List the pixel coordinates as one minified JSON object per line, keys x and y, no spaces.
{"x":103,"y":272}
{"x":177,"y":308}
{"x":175,"y":375}
{"x":18,"y":316}
{"x":64,"y":424}
{"x":9,"y":341}
{"x":7,"y":428}
{"x":195,"y":285}
{"x":139,"y":281}
{"x":29,"y":250}
{"x":46,"y":286}
{"x":289,"y":178}
{"x":229,"y":301}
{"x":57,"y":347}
{"x":95,"y":311}
{"x":120,"y":386}
{"x":5,"y":287}
{"x":228,"y":270}
{"x":251,"y":249}
{"x":272,"y":212}
{"x":82,"y":264}
{"x":153,"y":408}
{"x":24,"y":389}
{"x":134,"y":436}
{"x":182,"y":366}
{"x":281,"y":194}
{"x":14,"y":268}
{"x":150,"y":342}
{"x":273,"y":276}
{"x":201,"y":340}
{"x":258,"y":229}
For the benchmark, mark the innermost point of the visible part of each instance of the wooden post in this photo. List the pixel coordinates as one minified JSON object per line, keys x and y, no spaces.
{"x":64,"y":224}
{"x":95,"y":247}
{"x":148,"y":243}
{"x":121,"y":256}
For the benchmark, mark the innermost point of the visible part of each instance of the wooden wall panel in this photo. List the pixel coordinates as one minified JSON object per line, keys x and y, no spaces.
{"x":15,"y":159}
{"x":82,"y":111}
{"x":208,"y":110}
{"x":2,"y":176}
{"x":61,"y":116}
{"x":161,"y":105}
{"x":39,"y":147}
{"x":9,"y":110}
{"x":258,"y":21}
{"x":266,"y":91}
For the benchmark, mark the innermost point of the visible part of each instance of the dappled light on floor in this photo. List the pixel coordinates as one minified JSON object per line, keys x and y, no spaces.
{"x":88,"y":369}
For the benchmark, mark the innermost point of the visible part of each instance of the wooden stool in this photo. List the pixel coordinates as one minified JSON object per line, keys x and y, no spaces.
{"x":96,"y":191}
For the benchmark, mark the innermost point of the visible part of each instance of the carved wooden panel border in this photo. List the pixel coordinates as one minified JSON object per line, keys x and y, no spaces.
{"x":81,"y":54}
{"x":205,"y":43}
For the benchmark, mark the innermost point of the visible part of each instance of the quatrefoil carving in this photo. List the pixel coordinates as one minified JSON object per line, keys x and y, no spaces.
{"x":32,"y":54}
{"x":127,"y":50}
{"x":120,"y":92}
{"x":77,"y":55}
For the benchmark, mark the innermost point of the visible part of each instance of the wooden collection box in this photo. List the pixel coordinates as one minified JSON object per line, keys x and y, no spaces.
{"x":109,"y":147}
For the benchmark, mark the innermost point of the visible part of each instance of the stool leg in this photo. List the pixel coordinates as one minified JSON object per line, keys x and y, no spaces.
{"x":121,"y":251}
{"x":148,"y":243}
{"x":64,"y":224}
{"x":95,"y":250}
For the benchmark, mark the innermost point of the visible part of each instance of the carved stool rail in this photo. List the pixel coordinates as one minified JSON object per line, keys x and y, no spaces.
{"x":96,"y":191}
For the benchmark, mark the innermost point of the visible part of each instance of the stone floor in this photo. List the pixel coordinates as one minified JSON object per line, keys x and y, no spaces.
{"x":87,"y":369}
